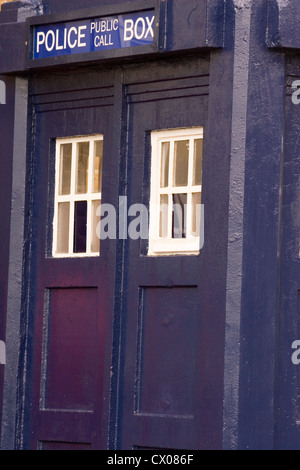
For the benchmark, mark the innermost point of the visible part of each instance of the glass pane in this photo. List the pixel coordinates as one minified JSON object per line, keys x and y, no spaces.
{"x":95,"y":238}
{"x":83,"y":149}
{"x":63,"y":221}
{"x":98,"y":160}
{"x":65,"y":169}
{"x":181,"y":163}
{"x":196,"y":214}
{"x":80,"y":220}
{"x":165,"y":158}
{"x":164,"y":214}
{"x":198,"y":152}
{"x":179,"y":215}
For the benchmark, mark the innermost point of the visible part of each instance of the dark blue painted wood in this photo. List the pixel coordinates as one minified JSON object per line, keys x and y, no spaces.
{"x":6,"y":143}
{"x":69,"y":302}
{"x":263,"y":392}
{"x":191,"y":25}
{"x":177,"y":417}
{"x":283,"y":24}
{"x":288,"y":383}
{"x":259,"y":314}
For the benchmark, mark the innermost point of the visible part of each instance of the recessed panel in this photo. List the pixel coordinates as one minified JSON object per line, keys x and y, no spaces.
{"x":166,"y":363}
{"x":70,"y":350}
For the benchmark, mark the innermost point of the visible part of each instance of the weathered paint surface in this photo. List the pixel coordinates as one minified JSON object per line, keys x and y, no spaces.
{"x":233,"y":310}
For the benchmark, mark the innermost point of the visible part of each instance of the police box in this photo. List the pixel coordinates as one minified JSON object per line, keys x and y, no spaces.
{"x":149,"y":188}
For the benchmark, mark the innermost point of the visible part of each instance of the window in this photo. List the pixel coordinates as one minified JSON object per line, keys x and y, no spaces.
{"x":176,"y":186}
{"x":78,"y":189}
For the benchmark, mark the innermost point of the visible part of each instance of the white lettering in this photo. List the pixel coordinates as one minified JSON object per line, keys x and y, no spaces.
{"x":2,"y":92}
{"x":50,"y":46}
{"x":104,"y":40}
{"x":107,"y":227}
{"x":65,"y":38}
{"x":142,"y":28}
{"x":138,"y":228}
{"x":296,"y":355}
{"x":81,"y":35}
{"x":128,"y":30}
{"x":150,"y":27}
{"x":58,"y":47}
{"x":116,"y":25}
{"x":70,"y":44}
{"x":71,"y":37}
{"x":105,"y":26}
{"x":41,"y":37}
{"x":296,"y":94}
{"x":2,"y":353}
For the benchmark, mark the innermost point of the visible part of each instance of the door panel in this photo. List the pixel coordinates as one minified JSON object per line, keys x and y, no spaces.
{"x":70,"y":326}
{"x":70,"y":299}
{"x":166,"y":360}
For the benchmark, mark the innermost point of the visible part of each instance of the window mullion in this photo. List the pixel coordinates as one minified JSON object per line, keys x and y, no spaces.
{"x":89,"y":203}
{"x":72,"y":198}
{"x":171,"y":163}
{"x":71,"y":227}
{"x":191,"y":163}
{"x":189,"y":189}
{"x":74,"y":168}
{"x":171,"y":185}
{"x":57,"y":182}
{"x":91,"y":166}
{"x":89,"y":226}
{"x":189,"y":214}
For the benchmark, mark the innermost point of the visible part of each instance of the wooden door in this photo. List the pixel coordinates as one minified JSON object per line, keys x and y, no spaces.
{"x":125,"y":349}
{"x":70,"y":298}
{"x":173,"y":323}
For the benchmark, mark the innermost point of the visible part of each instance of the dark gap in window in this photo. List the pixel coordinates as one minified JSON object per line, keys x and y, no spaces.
{"x":80,"y":221}
{"x":179,"y":216}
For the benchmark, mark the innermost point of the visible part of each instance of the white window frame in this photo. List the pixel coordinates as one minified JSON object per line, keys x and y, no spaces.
{"x":73,"y":197}
{"x":170,"y":246}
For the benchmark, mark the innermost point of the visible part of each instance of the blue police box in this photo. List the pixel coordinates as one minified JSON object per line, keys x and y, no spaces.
{"x":149,"y":188}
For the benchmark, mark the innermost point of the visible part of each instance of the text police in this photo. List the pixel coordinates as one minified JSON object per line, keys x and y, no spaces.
{"x":91,"y":35}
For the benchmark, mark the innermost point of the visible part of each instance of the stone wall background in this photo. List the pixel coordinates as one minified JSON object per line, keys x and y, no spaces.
{"x":5,"y":1}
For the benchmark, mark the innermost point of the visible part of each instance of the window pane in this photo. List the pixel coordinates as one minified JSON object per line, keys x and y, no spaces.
{"x":80,"y":220}
{"x":95,"y":238}
{"x":181,"y":163}
{"x":196,"y":214}
{"x":65,"y":169}
{"x":98,"y":159}
{"x":165,"y":158}
{"x":179,"y":215}
{"x":164,"y":215}
{"x":83,"y":149}
{"x":198,"y":152}
{"x":63,"y":221}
